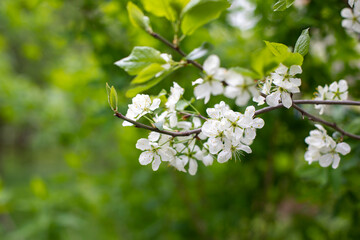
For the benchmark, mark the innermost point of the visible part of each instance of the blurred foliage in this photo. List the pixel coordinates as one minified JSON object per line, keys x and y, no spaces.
{"x":69,"y":170}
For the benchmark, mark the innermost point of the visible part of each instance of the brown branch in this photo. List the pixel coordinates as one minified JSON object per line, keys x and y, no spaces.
{"x":330,"y":124}
{"x":258,"y":112}
{"x":154,"y":129}
{"x":327,"y":102}
{"x":177,"y":49}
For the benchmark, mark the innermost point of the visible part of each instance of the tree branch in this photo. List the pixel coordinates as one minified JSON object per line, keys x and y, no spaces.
{"x":154,"y":129}
{"x":176,"y":48}
{"x":327,"y":102}
{"x":330,"y":124}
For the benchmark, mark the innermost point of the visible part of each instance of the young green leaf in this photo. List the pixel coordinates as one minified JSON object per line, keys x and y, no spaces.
{"x":170,"y":9}
{"x":278,"y":49}
{"x":149,"y":84}
{"x":199,"y":52}
{"x":303,"y":42}
{"x":137,"y":17}
{"x":199,"y":12}
{"x":140,"y":58}
{"x":112,"y":98}
{"x":148,"y":73}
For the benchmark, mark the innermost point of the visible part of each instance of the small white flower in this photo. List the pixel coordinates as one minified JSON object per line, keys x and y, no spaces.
{"x":212,"y":83}
{"x":323,"y":148}
{"x":239,"y":87}
{"x":141,"y":105}
{"x":286,"y":82}
{"x":352,"y":18}
{"x":338,"y":91}
{"x":156,"y":149}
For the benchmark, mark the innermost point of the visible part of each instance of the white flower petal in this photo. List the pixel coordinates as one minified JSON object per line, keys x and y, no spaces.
{"x":143,"y":144}
{"x":295,"y":69}
{"x":224,"y":156}
{"x":286,"y":99}
{"x":146,"y":157}
{"x":211,"y":64}
{"x":193,"y":167}
{"x":346,"y":13}
{"x":336,"y":161}
{"x":343,"y":148}
{"x":154,"y":136}
{"x":326,"y":160}
{"x":273,"y":98}
{"x":156,"y":163}
{"x":155,"y":104}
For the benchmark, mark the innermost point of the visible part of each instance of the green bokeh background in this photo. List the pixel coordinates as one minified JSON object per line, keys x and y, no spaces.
{"x":69,"y":170}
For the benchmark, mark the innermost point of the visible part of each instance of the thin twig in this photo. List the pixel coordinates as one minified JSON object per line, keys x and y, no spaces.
{"x":186,"y":115}
{"x":328,"y":102}
{"x":154,"y":129}
{"x":177,"y":49}
{"x":330,"y":124}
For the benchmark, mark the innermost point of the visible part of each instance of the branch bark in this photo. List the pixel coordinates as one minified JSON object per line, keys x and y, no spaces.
{"x":176,"y":48}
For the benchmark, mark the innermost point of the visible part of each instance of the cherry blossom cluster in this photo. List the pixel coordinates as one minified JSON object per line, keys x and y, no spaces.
{"x":280,"y":85}
{"x":324,"y":149}
{"x":218,"y":80}
{"x":224,"y":135}
{"x":336,"y":91}
{"x":351,"y":16}
{"x":229,"y":132}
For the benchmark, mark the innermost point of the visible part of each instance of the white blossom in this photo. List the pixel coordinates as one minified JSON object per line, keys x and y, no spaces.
{"x":141,"y":105}
{"x":351,"y":17}
{"x":324,"y":149}
{"x":336,"y":91}
{"x":286,"y":82}
{"x":212,"y":83}
{"x":239,"y":87}
{"x":229,"y":131}
{"x":187,"y":154}
{"x":156,"y":150}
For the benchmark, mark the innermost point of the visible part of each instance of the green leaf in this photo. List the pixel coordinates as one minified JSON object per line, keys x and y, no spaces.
{"x":303,"y":42}
{"x":277,"y":49}
{"x":262,"y":62}
{"x":293,"y":59}
{"x":281,"y":5}
{"x":170,"y":9}
{"x":113,"y":99}
{"x":140,"y":58}
{"x":147,"y":73}
{"x":200,"y":51}
{"x":149,"y":84}
{"x":283,"y":54}
{"x":137,"y":17}
{"x":199,"y":12}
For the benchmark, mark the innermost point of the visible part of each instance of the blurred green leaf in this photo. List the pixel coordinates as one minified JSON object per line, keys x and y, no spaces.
{"x":170,"y":9}
{"x":38,"y":187}
{"x":148,"y":73}
{"x":199,"y":12}
{"x":137,"y":17}
{"x":303,"y":42}
{"x":140,"y":58}
{"x":149,"y":84}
